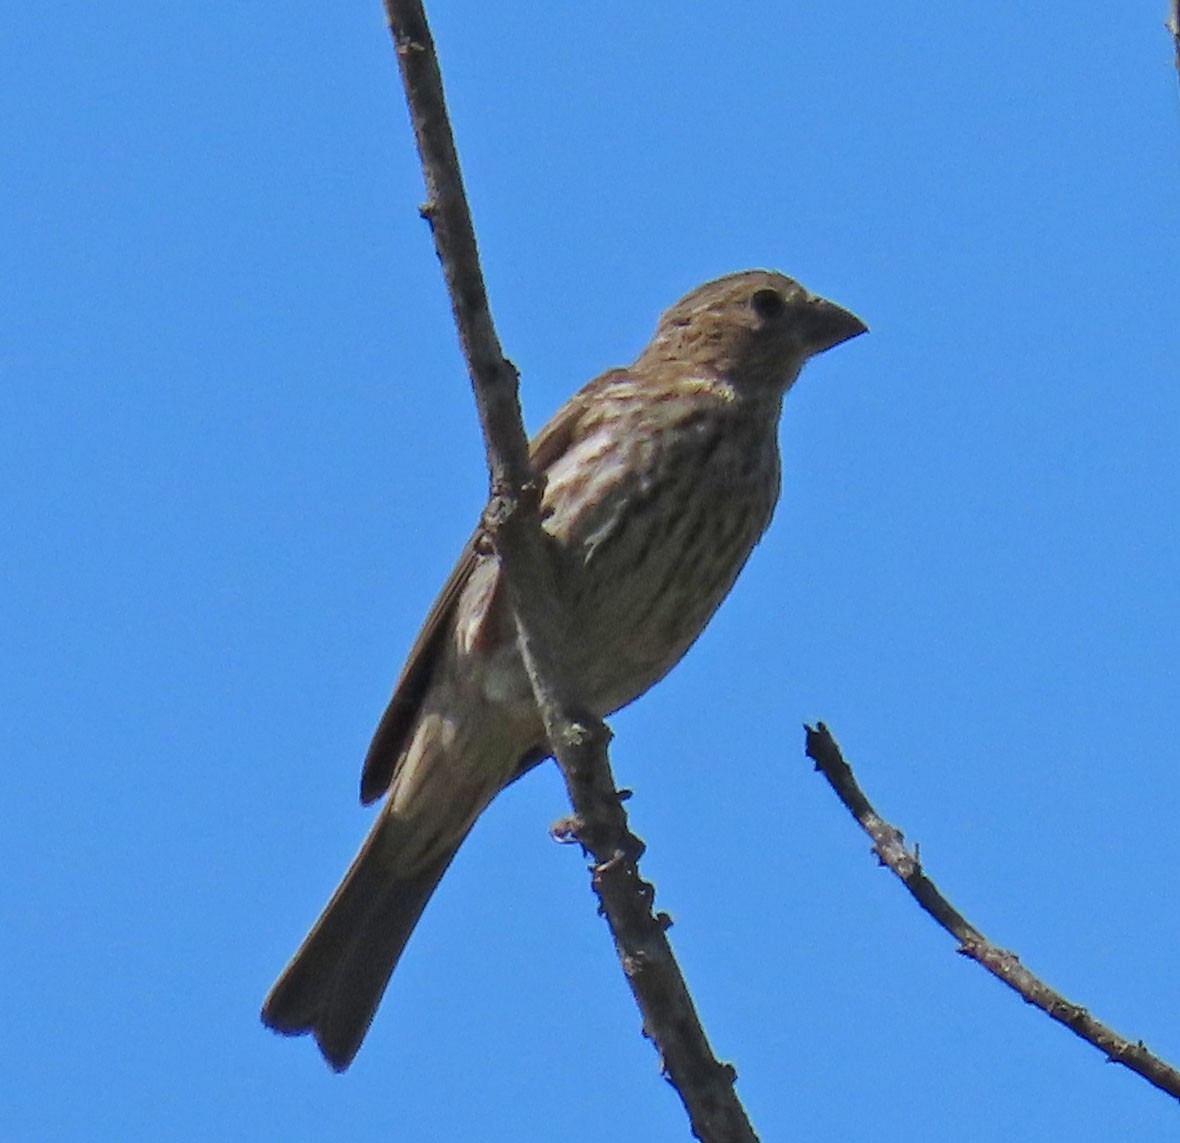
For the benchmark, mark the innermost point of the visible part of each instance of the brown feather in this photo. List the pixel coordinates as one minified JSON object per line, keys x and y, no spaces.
{"x":335,"y":981}
{"x":396,"y":727}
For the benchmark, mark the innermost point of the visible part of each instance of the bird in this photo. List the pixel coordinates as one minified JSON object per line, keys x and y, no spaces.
{"x":659,"y":479}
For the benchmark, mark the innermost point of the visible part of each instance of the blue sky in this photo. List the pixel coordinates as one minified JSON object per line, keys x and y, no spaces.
{"x":240,"y":455}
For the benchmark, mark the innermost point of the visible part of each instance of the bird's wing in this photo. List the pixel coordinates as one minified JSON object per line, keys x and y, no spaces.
{"x":397,"y":723}
{"x":393,"y":731}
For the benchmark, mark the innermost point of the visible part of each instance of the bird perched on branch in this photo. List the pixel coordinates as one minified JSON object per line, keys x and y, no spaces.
{"x":659,"y":479}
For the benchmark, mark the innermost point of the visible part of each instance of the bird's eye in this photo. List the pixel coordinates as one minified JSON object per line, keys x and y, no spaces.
{"x":768,"y":304}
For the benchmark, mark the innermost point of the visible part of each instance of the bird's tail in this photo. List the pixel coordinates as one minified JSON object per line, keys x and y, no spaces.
{"x":335,"y":981}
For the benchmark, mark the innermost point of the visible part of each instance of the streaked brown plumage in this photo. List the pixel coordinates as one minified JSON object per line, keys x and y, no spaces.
{"x":660,"y":479}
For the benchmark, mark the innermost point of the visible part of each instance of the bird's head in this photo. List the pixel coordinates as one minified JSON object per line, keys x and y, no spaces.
{"x":755,"y":328}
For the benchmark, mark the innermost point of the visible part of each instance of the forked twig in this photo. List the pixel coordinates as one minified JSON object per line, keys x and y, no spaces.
{"x":890,"y":847}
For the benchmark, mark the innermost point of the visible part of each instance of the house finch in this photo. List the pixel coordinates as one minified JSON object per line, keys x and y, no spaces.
{"x":659,"y":479}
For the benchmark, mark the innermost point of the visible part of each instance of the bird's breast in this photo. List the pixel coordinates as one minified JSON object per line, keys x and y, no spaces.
{"x":654,"y":516}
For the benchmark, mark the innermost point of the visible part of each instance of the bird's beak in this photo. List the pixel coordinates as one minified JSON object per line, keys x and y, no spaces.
{"x":825,"y":325}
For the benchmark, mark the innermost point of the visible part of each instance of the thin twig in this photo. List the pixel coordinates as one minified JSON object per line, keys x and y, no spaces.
{"x":889,"y":845}
{"x":578,"y":738}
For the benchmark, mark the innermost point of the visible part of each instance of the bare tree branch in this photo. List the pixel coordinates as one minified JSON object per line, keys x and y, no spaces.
{"x":577,"y":737}
{"x":889,"y":845}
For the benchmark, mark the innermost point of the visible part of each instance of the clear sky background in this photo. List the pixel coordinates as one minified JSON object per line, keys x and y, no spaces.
{"x":239,"y":456}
